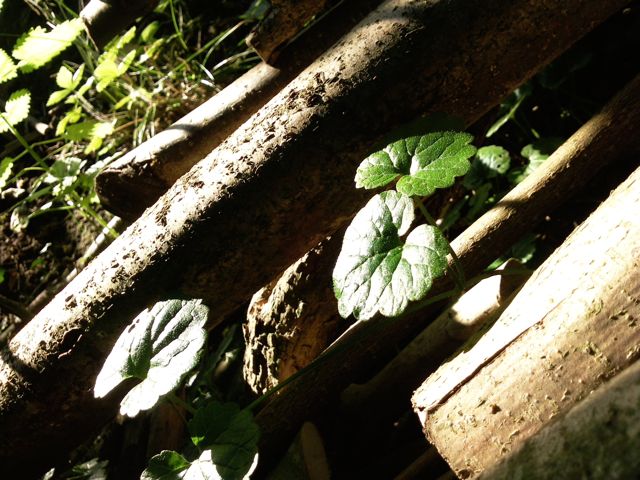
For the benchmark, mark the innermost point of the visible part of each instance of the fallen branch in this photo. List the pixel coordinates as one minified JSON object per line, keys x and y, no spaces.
{"x":571,"y":327}
{"x":598,"y":438}
{"x":273,"y":190}
{"x":106,"y":19}
{"x":135,"y":181}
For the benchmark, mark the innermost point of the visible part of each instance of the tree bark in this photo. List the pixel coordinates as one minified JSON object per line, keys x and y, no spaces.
{"x":573,"y":325}
{"x":285,"y":20}
{"x":598,"y":439}
{"x":565,"y":172}
{"x":272,"y":191}
{"x":135,"y":181}
{"x":106,"y":19}
{"x":293,"y":319}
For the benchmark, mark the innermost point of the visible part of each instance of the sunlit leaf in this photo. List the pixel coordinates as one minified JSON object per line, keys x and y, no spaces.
{"x":16,"y":109}
{"x":421,"y":163}
{"x":39,"y":46}
{"x":376,"y":270}
{"x":160,"y":347}
{"x":8,"y":69}
{"x":6,"y":169}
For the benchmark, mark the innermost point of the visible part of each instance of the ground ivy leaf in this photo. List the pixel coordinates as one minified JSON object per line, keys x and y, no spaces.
{"x":378,"y":272}
{"x":8,"y":69}
{"x":423,"y":163}
{"x":16,"y":109}
{"x":489,"y":162}
{"x":230,"y":433}
{"x":167,"y":465}
{"x":160,"y":347}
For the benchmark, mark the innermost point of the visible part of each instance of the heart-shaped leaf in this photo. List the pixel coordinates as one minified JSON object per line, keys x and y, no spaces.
{"x":230,"y":433}
{"x":379,"y":272}
{"x":422,"y":163}
{"x":169,"y":465}
{"x":489,"y":162}
{"x":160,"y":347}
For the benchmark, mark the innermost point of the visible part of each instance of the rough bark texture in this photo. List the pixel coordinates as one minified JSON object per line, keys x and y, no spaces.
{"x":293,"y":319}
{"x":284,"y":21}
{"x":389,"y":392}
{"x":603,"y":139}
{"x":135,"y":181}
{"x":574,"y":324}
{"x":272,"y":191}
{"x":598,"y":439}
{"x":106,"y":19}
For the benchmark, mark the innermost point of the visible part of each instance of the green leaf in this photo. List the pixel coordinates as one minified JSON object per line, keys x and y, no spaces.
{"x":160,"y":347}
{"x":64,"y":78}
{"x":376,"y":271}
{"x":16,"y":109}
{"x":57,"y":96}
{"x":72,"y":116}
{"x":8,"y":69}
{"x":147,"y":35}
{"x":488,"y":163}
{"x":167,"y":465}
{"x":39,"y":46}
{"x":509,"y":108}
{"x":230,"y":433}
{"x":423,"y":163}
{"x":6,"y":169}
{"x":537,"y":153}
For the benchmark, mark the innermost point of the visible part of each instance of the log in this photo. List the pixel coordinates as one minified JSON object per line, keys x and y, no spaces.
{"x":389,"y":392}
{"x":104,"y":19}
{"x":593,"y":146}
{"x":135,"y":181}
{"x":306,"y":458}
{"x":599,"y":438}
{"x":283,"y":22}
{"x":573,"y":325}
{"x":293,"y":319}
{"x":272,"y":191}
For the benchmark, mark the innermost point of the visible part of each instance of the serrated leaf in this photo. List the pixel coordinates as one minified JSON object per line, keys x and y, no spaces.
{"x":489,"y":162}
{"x":16,"y":109}
{"x":8,"y":69}
{"x":39,"y":46}
{"x":422,"y":163}
{"x":376,"y":271}
{"x":160,"y":347}
{"x":6,"y":168}
{"x":230,"y":433}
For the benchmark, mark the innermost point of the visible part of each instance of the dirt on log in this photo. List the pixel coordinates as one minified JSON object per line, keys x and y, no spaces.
{"x":605,"y":138}
{"x":598,"y":439}
{"x":574,"y":324}
{"x":135,"y":181}
{"x":270,"y":192}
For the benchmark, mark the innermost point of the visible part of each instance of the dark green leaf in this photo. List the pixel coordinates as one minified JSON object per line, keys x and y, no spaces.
{"x":488,"y":163}
{"x":167,"y":465}
{"x":160,"y":347}
{"x":378,"y":272}
{"x":423,"y":163}
{"x":537,"y":153}
{"x":230,"y":433}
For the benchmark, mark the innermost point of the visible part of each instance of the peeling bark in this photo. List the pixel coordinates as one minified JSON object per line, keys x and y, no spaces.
{"x":135,"y":181}
{"x":574,"y":324}
{"x":106,"y":19}
{"x":272,"y":191}
{"x":293,"y":319}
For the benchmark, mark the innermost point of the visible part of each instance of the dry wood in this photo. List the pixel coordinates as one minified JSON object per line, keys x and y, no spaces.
{"x":598,"y":439}
{"x":575,"y":323}
{"x":389,"y":392}
{"x":135,"y":181}
{"x":283,"y":22}
{"x":106,"y":19}
{"x":293,"y":319}
{"x":306,"y":458}
{"x":272,"y":191}
{"x":569,"y":168}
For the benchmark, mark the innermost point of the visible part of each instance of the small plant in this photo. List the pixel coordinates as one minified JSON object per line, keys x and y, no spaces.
{"x":384,"y":264}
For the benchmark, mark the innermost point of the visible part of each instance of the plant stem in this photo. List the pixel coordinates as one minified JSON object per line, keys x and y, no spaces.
{"x":176,"y":400}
